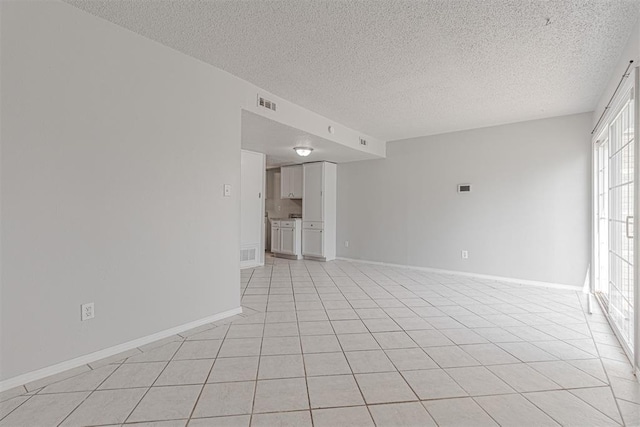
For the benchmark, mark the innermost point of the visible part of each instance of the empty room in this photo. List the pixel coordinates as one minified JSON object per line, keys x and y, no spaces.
{"x":323,"y":213}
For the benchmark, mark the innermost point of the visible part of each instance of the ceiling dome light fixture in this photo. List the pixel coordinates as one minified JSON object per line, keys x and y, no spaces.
{"x":303,"y":151}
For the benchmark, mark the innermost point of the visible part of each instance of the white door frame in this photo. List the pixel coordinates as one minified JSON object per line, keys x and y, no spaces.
{"x":632,"y":81}
{"x":258,"y":244}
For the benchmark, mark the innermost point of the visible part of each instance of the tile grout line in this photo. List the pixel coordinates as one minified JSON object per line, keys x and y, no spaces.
{"x":11,"y":411}
{"x":89,"y":395}
{"x":353,"y":375}
{"x":154,"y":381}
{"x":304,"y":363}
{"x":615,"y":400}
{"x":206,"y":380}
{"x":255,"y":387}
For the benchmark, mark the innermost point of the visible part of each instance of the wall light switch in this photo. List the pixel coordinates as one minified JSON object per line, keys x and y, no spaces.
{"x":227,"y":190}
{"x":346,"y":243}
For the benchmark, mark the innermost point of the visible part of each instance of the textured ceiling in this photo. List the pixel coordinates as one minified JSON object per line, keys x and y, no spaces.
{"x":398,"y":69}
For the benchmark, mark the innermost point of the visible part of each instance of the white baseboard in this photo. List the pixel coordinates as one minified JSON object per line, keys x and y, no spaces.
{"x":246,"y":267}
{"x":107,"y":352}
{"x":465,"y":274}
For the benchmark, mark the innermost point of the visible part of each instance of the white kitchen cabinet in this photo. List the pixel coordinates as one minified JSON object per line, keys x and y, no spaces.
{"x":319,"y":210}
{"x":275,"y":236}
{"x":298,"y":181}
{"x":313,"y":242}
{"x":291,"y":182}
{"x":312,"y":201}
{"x":286,"y":238}
{"x":287,"y":241}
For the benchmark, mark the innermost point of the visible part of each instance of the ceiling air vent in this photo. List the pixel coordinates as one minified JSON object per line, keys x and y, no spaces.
{"x":363,"y":141}
{"x":265,"y":103}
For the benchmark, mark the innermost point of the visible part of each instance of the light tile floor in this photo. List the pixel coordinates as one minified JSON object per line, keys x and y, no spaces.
{"x":349,"y":344}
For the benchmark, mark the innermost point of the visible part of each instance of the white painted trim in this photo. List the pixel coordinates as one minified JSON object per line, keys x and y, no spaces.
{"x":465,"y":274}
{"x":586,"y":288}
{"x":245,"y":267}
{"x":107,"y":352}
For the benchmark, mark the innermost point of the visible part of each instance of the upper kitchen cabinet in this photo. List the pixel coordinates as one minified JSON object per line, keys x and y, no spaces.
{"x":319,"y":210}
{"x":291,"y":182}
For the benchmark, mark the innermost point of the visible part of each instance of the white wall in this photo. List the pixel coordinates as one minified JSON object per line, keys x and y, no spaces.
{"x":115,"y":150}
{"x":114,"y":153}
{"x":527,"y":217}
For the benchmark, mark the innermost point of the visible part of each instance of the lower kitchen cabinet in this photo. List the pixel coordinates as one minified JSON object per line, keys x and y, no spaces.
{"x":312,"y":242}
{"x":288,"y":241}
{"x":275,"y":236}
{"x":286,"y":238}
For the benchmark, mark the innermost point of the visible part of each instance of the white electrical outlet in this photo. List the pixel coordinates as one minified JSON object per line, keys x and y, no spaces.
{"x":227,"y":190}
{"x":87,"y":312}
{"x":346,"y":243}
{"x":465,"y":254}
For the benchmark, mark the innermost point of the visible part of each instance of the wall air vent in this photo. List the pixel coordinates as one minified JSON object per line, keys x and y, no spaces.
{"x":464,"y":188}
{"x":247,"y":255}
{"x":265,"y":103}
{"x":363,"y":141}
